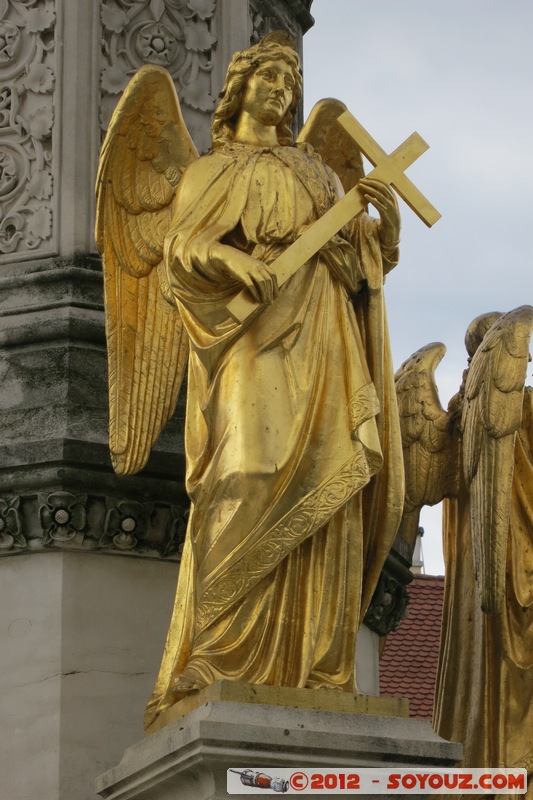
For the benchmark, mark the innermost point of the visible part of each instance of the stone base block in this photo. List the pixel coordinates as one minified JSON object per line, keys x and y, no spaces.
{"x":259,"y":694}
{"x":189,"y":757}
{"x":80,"y":643}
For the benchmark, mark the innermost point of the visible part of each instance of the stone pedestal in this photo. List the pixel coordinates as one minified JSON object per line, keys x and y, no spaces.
{"x":189,"y":757}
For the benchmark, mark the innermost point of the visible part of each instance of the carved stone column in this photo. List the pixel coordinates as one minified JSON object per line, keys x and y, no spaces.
{"x":81,"y":632}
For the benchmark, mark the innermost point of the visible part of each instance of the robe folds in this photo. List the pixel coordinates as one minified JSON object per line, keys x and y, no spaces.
{"x":292,"y":436}
{"x":484,"y":691}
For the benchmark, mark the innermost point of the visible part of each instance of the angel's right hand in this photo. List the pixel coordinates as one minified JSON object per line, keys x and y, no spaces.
{"x":252,"y":273}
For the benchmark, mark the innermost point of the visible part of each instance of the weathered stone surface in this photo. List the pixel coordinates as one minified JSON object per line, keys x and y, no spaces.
{"x":80,"y":644}
{"x":190,"y":757}
{"x":283,"y":696}
{"x":291,"y":15}
{"x":54,"y":437}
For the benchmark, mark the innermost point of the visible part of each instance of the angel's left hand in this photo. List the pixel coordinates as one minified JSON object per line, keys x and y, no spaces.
{"x":384,"y":200}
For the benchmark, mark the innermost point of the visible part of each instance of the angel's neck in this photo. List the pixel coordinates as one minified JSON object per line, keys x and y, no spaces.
{"x":250,"y":130}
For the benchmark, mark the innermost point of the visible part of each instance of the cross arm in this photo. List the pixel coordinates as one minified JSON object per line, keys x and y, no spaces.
{"x":388,"y":168}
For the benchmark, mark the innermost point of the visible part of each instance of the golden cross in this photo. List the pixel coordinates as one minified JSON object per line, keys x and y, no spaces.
{"x":387,"y":168}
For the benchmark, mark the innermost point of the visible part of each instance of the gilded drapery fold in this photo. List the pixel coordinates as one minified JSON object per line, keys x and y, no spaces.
{"x":491,"y":708}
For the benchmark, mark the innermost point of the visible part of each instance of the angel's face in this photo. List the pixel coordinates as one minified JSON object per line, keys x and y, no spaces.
{"x":268,"y":93}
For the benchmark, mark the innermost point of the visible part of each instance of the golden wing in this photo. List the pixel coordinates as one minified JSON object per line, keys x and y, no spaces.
{"x":145,"y":151}
{"x":427,"y":437}
{"x":332,"y":142}
{"x":492,"y":413}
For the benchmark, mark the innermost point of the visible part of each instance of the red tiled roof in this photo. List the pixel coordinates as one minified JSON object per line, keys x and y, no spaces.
{"x":408,"y":666}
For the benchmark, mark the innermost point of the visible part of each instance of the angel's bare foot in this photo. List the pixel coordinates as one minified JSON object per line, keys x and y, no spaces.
{"x":185,"y":685}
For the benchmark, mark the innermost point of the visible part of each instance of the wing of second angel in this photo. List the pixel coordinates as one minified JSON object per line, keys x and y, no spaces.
{"x":332,"y":142}
{"x":492,"y":413}
{"x":426,"y":436}
{"x":145,"y":151}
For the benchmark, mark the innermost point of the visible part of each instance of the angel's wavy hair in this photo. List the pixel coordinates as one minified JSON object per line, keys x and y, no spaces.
{"x":243,"y":64}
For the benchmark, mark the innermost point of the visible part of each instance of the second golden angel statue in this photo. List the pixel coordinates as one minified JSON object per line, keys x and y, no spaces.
{"x":478,"y":458}
{"x":293,"y":449}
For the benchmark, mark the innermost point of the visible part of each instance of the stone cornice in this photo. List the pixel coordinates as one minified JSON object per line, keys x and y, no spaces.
{"x":55,"y":520}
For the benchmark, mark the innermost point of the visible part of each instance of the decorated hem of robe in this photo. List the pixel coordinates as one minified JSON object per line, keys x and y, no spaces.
{"x":307,"y":516}
{"x":363,"y":406}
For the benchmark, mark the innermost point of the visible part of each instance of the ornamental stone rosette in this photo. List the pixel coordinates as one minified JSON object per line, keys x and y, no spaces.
{"x":63,"y":516}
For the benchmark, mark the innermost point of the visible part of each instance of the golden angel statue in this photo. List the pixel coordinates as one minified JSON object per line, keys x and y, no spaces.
{"x":292,"y":434}
{"x":479,"y":456}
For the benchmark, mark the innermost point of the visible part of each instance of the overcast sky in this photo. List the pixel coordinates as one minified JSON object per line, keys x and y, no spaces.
{"x":460,"y":72}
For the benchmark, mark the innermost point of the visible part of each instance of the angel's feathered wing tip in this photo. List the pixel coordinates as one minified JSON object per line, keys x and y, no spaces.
{"x":119,"y":464}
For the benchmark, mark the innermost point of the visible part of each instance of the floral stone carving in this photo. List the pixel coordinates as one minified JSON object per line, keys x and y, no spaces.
{"x":176,"y":530}
{"x":63,"y":516}
{"x":27,"y":82}
{"x":63,"y":520}
{"x":11,"y":536}
{"x":127,"y":523}
{"x":175,"y":34}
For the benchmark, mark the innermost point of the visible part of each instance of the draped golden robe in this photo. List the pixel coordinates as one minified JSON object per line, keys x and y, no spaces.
{"x":283,"y":432}
{"x":484,"y":693}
